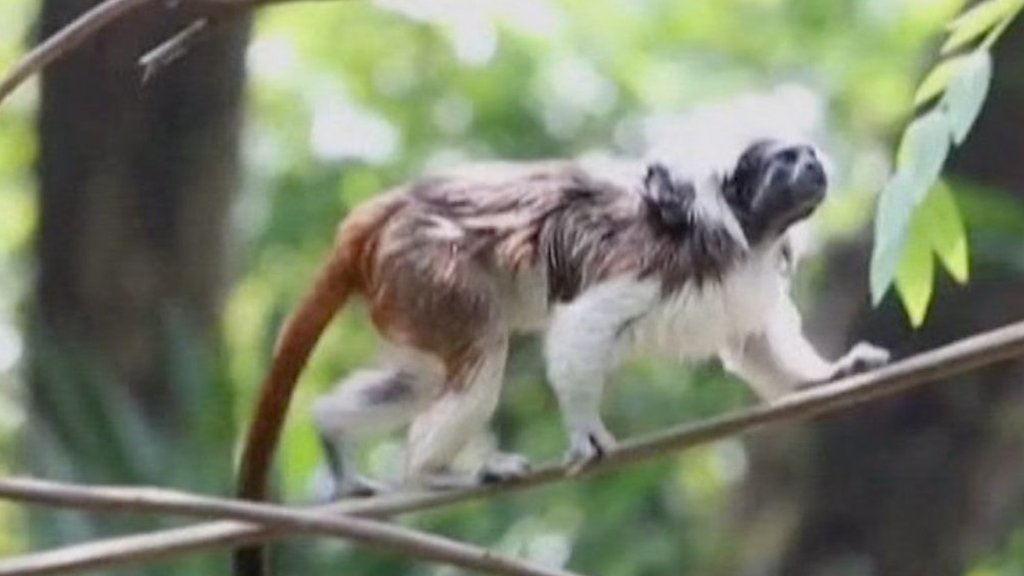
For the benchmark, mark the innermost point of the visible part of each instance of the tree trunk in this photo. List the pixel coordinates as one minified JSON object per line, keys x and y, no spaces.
{"x":924,"y":483}
{"x":136,"y":184}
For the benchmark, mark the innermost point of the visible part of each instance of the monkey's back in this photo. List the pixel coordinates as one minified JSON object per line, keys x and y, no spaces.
{"x":478,"y":253}
{"x":472,"y":254}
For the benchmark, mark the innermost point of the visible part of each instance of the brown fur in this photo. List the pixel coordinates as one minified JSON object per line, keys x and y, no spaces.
{"x":338,"y":278}
{"x":430,"y":284}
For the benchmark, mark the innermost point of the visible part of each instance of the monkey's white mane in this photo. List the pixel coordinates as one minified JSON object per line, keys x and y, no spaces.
{"x":709,"y":205}
{"x":708,"y":139}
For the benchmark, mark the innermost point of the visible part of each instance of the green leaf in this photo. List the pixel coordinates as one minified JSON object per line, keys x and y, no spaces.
{"x":936,"y":227}
{"x":937,"y":80}
{"x":946,"y":233}
{"x":895,"y":211}
{"x":923,"y":151}
{"x":914,"y":280}
{"x":967,"y":90}
{"x":885,"y":260}
{"x":976,"y":21}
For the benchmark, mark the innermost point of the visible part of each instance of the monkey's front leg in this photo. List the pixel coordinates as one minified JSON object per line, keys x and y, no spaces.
{"x":583,"y":345}
{"x":780,"y":359}
{"x":862,"y":357}
{"x":580,"y":403}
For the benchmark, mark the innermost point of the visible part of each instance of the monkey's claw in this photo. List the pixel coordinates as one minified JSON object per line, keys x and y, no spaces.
{"x":587,"y":446}
{"x":503,"y":467}
{"x":863,"y":357}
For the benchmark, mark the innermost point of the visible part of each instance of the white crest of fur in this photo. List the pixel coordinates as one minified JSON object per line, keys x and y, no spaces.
{"x":709,"y":205}
{"x":709,"y":138}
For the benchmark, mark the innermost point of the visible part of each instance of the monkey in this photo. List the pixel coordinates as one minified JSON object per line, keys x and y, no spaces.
{"x":650,"y":260}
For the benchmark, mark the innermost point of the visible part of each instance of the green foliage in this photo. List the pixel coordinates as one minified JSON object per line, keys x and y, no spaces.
{"x":95,"y":433}
{"x":17,"y":225}
{"x":966,"y":94}
{"x":990,"y":17}
{"x":1009,"y":561}
{"x":936,"y":230}
{"x":935,"y":83}
{"x":945,"y":231}
{"x":907,"y":229}
{"x":914,"y":275}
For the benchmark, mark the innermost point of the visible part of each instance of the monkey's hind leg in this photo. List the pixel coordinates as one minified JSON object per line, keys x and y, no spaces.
{"x":367,"y":403}
{"x":463,"y":409}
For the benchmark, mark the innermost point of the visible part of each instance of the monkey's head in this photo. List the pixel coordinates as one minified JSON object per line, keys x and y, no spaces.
{"x":773,"y":186}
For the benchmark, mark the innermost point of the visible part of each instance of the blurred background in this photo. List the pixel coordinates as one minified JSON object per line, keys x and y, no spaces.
{"x":153,"y":236}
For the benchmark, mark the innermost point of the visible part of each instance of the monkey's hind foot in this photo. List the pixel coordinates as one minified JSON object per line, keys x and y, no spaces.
{"x":503,"y":467}
{"x":498,"y":468}
{"x":359,"y":487}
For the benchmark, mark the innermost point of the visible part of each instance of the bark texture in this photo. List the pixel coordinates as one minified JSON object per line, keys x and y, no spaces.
{"x":135,"y":185}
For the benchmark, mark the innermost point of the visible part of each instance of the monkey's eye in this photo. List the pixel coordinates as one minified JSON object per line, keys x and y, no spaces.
{"x":745,"y":193}
{"x":788,"y":156}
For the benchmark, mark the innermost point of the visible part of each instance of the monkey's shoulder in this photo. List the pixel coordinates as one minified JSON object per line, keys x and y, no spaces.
{"x":507,"y":185}
{"x":696,"y":319}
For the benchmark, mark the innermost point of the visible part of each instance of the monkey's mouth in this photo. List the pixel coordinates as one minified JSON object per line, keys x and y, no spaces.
{"x":803,"y":210}
{"x":809,"y":192}
{"x":806,"y":210}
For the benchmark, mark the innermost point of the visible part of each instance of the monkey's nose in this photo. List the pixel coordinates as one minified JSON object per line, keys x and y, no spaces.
{"x":810,"y":184}
{"x":812,"y":173}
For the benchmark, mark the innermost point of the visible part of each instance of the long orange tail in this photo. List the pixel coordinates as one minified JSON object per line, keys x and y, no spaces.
{"x":296,"y":342}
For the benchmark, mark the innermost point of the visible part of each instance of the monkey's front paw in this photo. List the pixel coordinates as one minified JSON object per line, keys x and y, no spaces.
{"x":586,"y":446}
{"x":863,"y":357}
{"x":504,"y":467}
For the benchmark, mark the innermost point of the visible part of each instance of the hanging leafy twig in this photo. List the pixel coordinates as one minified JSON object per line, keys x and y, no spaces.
{"x":918,"y":219}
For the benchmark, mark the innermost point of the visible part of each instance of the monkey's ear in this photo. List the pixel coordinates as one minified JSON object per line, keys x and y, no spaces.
{"x":670,"y":201}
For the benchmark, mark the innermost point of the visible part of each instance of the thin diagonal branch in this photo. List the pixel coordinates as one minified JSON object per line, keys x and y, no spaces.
{"x":175,"y":47}
{"x":66,"y":40}
{"x":172,"y":49}
{"x":87,"y":25}
{"x":941,"y":363}
{"x":371,"y":533}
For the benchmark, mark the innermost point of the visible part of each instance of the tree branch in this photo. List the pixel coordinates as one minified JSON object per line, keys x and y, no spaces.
{"x":65,"y":40}
{"x":371,"y":533}
{"x":171,"y":49}
{"x":944,"y":362}
{"x":87,"y":25}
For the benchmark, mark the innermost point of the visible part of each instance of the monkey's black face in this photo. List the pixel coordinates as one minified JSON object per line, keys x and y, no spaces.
{"x":773,"y":186}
